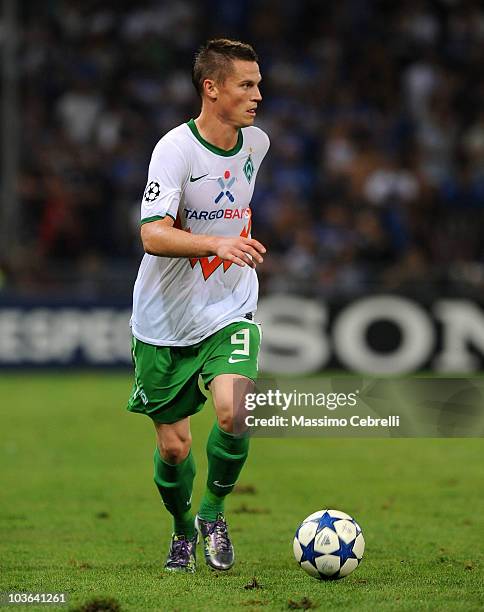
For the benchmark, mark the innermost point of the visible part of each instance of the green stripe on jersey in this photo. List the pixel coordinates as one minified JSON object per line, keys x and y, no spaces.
{"x":155,"y":218}
{"x":217,"y":150}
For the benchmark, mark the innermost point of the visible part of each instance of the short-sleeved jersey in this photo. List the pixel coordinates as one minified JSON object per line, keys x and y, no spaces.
{"x":207,"y":190}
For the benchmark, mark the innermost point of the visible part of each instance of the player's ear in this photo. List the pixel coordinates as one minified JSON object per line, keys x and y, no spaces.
{"x":210,"y":89}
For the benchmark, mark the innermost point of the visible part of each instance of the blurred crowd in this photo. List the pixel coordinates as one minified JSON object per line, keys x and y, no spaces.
{"x":375,"y":110}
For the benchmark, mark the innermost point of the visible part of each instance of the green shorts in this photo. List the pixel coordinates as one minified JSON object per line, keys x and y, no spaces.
{"x":166,"y":384}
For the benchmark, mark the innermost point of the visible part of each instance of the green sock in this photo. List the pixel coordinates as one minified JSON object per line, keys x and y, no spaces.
{"x":210,"y":506}
{"x":226,"y":456}
{"x":175,"y":484}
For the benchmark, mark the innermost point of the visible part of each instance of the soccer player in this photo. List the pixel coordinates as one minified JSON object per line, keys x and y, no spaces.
{"x":196,"y":293}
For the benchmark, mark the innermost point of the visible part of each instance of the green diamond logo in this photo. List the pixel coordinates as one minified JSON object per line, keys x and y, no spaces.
{"x":249,"y":169}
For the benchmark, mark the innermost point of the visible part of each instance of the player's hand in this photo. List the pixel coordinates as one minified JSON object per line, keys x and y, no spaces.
{"x":239,"y":250}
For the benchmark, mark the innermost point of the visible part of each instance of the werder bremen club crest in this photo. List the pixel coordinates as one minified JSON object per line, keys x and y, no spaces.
{"x":249,"y":168}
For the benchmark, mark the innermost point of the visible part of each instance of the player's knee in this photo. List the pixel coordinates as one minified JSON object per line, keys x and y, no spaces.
{"x":175,"y":450}
{"x":226,"y":421}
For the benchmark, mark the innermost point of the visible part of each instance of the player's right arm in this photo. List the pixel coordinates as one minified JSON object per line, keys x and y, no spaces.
{"x":160,"y":238}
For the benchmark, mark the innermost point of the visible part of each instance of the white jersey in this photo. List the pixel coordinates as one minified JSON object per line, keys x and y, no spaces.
{"x":207,"y":190}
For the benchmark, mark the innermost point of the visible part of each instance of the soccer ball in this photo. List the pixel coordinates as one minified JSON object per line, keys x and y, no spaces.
{"x":328,"y":544}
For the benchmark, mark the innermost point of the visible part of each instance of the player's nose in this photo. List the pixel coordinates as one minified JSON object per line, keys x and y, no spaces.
{"x":257,"y":97}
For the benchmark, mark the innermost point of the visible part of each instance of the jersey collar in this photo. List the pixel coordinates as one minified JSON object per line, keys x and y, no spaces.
{"x":217,"y":150}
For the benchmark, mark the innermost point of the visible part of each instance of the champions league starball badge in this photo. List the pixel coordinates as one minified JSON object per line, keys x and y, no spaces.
{"x":152,"y":191}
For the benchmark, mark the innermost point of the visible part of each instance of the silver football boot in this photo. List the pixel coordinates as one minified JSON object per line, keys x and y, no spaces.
{"x":217,"y":547}
{"x":182,"y":554}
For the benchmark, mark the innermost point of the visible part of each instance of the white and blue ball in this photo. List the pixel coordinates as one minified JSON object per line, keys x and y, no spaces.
{"x":329,"y":544}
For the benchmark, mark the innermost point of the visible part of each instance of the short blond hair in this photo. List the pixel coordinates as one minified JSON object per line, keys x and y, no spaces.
{"x":214,"y":60}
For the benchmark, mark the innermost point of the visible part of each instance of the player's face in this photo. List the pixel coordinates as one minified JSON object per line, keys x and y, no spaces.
{"x":239,"y":95}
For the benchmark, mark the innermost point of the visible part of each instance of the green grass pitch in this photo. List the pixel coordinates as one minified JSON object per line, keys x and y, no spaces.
{"x":79,"y":512}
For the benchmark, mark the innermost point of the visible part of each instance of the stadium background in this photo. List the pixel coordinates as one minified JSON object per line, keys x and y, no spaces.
{"x":371,"y":203}
{"x":374,"y":184}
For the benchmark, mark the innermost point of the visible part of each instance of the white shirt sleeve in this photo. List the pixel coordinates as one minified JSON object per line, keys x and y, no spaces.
{"x":167,"y":175}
